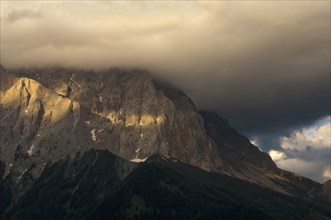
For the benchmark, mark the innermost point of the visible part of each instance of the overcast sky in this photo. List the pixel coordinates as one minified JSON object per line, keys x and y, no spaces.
{"x":263,"y":65}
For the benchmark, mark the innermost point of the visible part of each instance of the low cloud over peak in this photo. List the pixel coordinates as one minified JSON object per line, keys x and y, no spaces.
{"x":263,"y":65}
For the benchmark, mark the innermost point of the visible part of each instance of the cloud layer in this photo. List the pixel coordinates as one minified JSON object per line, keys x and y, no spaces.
{"x":317,"y":137}
{"x":307,"y":151}
{"x":264,"y":65}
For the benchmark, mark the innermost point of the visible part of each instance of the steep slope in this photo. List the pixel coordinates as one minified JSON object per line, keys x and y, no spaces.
{"x":325,"y":191}
{"x":72,"y":187}
{"x":322,"y":192}
{"x":245,"y":161}
{"x":92,"y":186}
{"x":128,"y":115}
{"x":5,"y":191}
{"x":235,"y":149}
{"x":36,"y":127}
{"x":48,"y":114}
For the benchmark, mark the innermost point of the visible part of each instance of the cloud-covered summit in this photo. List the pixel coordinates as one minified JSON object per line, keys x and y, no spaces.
{"x":263,"y":65}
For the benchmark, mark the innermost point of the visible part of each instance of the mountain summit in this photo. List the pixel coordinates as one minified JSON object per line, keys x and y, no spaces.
{"x":52,"y":114}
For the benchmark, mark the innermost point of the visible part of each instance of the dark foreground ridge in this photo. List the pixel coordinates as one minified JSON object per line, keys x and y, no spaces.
{"x":95,"y":186}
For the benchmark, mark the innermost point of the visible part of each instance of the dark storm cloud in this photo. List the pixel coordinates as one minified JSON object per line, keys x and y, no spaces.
{"x":263,"y":65}
{"x":16,"y":15}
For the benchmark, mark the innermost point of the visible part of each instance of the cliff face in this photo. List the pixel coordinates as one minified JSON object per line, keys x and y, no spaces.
{"x":36,"y":126}
{"x":321,"y":192}
{"x":50,"y":113}
{"x":234,"y":148}
{"x":325,"y":191}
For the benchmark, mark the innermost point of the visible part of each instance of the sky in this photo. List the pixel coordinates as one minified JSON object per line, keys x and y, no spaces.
{"x":263,"y":65}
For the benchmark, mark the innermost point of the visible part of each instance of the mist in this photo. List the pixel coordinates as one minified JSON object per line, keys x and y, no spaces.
{"x":263,"y":65}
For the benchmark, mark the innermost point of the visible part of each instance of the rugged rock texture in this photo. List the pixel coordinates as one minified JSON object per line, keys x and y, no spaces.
{"x":325,"y":191}
{"x":235,"y":149}
{"x":37,"y":126}
{"x":48,"y":114}
{"x":127,"y":113}
{"x":245,"y":161}
{"x":241,"y":158}
{"x":322,"y":192}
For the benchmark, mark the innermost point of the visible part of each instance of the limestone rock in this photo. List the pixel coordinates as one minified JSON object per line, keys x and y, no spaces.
{"x":47,"y":114}
{"x":51,"y":113}
{"x":36,"y":126}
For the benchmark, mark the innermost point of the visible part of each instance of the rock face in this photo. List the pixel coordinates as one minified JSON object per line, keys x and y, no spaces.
{"x":325,"y":191}
{"x":241,"y":158}
{"x":48,"y":114}
{"x":234,"y":148}
{"x":322,"y":192}
{"x":36,"y":126}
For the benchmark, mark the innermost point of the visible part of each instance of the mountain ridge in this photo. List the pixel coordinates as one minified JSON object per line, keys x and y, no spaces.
{"x":176,"y":190}
{"x":131,"y":115}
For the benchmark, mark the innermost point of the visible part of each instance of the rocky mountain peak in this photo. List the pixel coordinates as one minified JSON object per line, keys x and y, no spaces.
{"x":51,"y":113}
{"x":235,"y":146}
{"x":47,"y":114}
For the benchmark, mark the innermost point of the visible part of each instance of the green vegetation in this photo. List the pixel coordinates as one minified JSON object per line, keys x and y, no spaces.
{"x":89,"y":187}
{"x":137,"y":207}
{"x":173,"y":189}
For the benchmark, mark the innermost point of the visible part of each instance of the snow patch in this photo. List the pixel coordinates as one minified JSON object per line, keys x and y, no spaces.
{"x":94,"y":137}
{"x":72,"y":79}
{"x":100,"y":98}
{"x":141,"y":135}
{"x":44,"y":165}
{"x":77,"y":84}
{"x":138,"y":160}
{"x":88,"y":122}
{"x":30,"y":151}
{"x":100,"y":130}
{"x":20,"y":177}
{"x":137,"y":150}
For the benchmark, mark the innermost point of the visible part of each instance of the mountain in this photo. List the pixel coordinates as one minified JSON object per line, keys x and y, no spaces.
{"x":124,"y":112}
{"x":322,"y":192}
{"x":49,"y":118}
{"x":245,"y":161}
{"x":94,"y":186}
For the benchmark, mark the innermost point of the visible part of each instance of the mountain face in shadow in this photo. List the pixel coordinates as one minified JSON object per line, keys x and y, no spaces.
{"x":70,"y":141}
